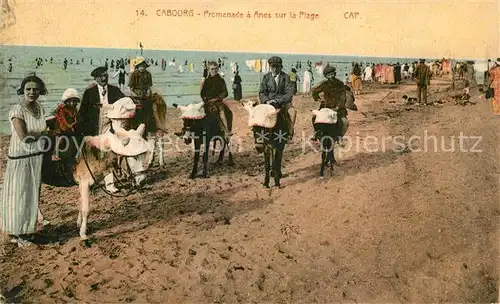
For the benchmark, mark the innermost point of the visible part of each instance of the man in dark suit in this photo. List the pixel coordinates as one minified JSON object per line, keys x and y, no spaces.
{"x":96,"y":99}
{"x":276,"y":89}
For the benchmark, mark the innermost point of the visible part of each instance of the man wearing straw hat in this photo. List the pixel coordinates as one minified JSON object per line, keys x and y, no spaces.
{"x":96,"y":100}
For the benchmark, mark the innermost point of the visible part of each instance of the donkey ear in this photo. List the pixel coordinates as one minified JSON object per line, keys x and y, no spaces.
{"x":121,"y":132}
{"x":248,"y":106}
{"x":140,"y":130}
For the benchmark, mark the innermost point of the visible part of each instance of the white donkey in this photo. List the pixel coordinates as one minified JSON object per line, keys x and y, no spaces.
{"x":97,"y":157}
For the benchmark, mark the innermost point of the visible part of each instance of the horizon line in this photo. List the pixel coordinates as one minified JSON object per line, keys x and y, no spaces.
{"x":226,"y":51}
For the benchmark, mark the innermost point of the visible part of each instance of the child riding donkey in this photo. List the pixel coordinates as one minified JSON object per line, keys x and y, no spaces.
{"x":140,"y":84}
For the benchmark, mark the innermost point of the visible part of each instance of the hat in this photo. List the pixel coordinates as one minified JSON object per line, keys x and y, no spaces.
{"x":98,"y":71}
{"x":131,"y":142}
{"x":123,"y":108}
{"x":69,"y":93}
{"x":122,"y":142}
{"x":329,"y":69}
{"x":497,"y":61}
{"x":140,"y":60}
{"x":422,"y":60}
{"x":275,"y":60}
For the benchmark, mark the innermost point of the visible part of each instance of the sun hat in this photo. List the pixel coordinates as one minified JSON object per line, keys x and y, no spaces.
{"x":70,"y":93}
{"x":123,"y":108}
{"x":140,"y":60}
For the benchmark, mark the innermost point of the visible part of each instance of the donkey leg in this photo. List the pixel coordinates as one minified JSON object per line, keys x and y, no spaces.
{"x":194,"y":171}
{"x":204,"y":173}
{"x":229,"y":153}
{"x":267,"y":166}
{"x":323,"y":161}
{"x":160,"y":151}
{"x":333,"y":161}
{"x":222,"y":152}
{"x":79,"y":219}
{"x":84,"y":208}
{"x":278,"y":156}
{"x":332,"y":157}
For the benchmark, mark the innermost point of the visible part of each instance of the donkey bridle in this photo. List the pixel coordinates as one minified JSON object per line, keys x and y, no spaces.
{"x":131,"y":176}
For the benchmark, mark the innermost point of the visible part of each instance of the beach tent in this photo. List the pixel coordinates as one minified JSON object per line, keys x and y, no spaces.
{"x":264,"y":66}
{"x":446,"y":66}
{"x":257,"y":66}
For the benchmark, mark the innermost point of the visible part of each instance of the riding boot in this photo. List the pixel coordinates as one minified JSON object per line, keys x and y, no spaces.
{"x":290,"y":130}
{"x":224,"y":125}
{"x":292,"y":115}
{"x":315,"y":136}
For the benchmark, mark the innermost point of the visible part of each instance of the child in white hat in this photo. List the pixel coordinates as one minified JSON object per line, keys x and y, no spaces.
{"x":140,"y":80}
{"x":65,"y":119}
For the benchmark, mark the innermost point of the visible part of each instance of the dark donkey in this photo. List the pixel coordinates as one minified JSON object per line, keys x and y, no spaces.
{"x":204,"y":129}
{"x":327,"y":131}
{"x":270,"y":133}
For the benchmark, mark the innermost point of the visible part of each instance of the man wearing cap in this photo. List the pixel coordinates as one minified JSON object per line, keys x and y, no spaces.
{"x":96,"y":100}
{"x":276,"y":89}
{"x":334,"y":92}
{"x":423,"y":79}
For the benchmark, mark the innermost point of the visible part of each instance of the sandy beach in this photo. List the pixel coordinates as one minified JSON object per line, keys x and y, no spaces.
{"x":391,"y":224}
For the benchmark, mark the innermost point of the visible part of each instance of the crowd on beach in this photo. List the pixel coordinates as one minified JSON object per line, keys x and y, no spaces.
{"x":302,"y":74}
{"x":19,"y":211}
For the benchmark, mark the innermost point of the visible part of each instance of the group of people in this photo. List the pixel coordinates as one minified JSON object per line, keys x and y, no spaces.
{"x":494,"y":84}
{"x":277,"y":88}
{"x":19,"y":209}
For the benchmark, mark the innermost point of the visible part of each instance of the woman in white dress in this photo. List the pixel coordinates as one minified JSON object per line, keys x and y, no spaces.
{"x":22,"y":177}
{"x":307,"y":82}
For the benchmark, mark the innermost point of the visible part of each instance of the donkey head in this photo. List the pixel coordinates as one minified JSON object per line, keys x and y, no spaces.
{"x":138,"y":151}
{"x":262,"y":119}
{"x":191,"y":115}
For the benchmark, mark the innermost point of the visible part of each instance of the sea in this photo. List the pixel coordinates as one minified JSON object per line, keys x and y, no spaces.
{"x":176,"y":84}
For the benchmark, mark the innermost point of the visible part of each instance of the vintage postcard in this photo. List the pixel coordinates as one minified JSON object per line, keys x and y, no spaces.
{"x":249,"y":151}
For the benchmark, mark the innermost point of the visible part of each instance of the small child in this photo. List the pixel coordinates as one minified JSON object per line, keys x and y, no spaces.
{"x":140,"y":81}
{"x":65,"y":120}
